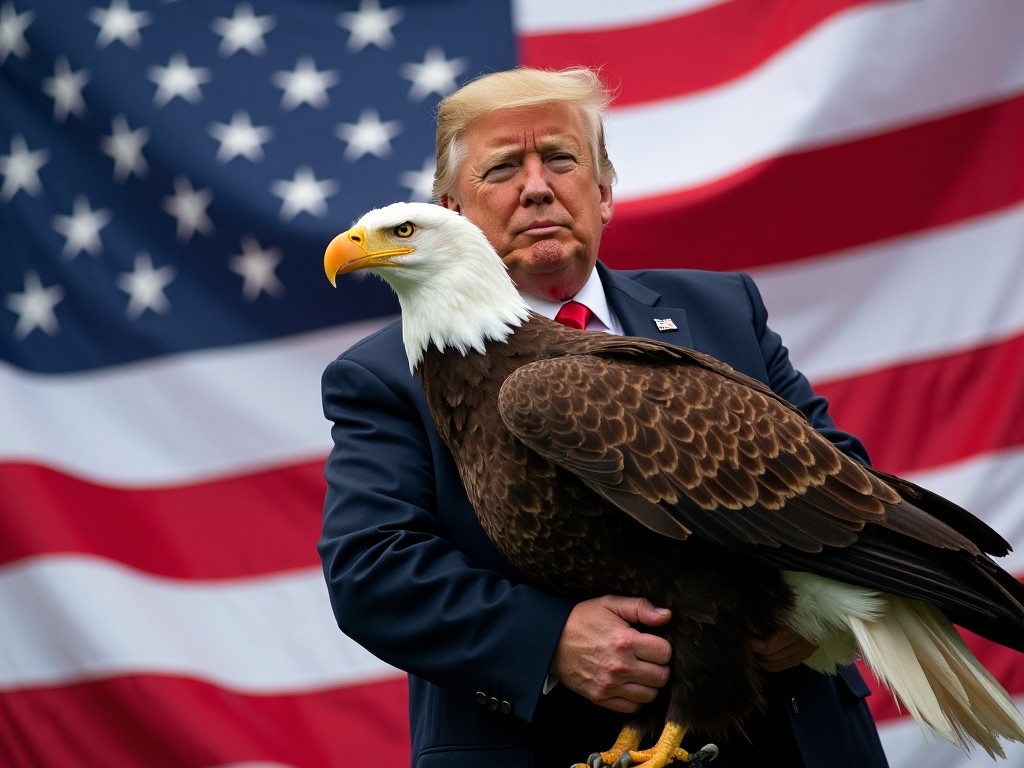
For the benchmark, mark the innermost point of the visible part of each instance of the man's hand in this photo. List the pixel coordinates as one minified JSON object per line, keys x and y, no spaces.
{"x":781,"y":650}
{"x":603,"y":658}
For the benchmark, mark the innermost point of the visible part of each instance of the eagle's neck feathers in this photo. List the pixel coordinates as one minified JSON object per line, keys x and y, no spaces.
{"x":469,"y":302}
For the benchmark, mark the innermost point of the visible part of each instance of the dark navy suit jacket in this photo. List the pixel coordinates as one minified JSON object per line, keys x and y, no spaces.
{"x":413,"y":578}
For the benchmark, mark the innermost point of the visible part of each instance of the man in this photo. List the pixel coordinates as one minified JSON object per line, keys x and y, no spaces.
{"x":502,"y":674}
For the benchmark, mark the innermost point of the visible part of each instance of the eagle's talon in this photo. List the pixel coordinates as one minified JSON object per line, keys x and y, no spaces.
{"x":704,"y":755}
{"x":625,"y":761}
{"x":595,"y":761}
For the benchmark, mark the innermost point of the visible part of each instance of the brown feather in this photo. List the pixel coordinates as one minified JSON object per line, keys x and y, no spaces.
{"x":579,"y":448}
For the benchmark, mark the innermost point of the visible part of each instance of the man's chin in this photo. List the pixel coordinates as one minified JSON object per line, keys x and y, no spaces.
{"x":549,"y":273}
{"x":536,"y":260}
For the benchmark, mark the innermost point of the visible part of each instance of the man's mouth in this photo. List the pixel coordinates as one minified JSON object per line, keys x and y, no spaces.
{"x":541,"y":229}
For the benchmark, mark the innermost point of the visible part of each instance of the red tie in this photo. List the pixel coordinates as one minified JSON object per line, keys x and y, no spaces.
{"x":574,"y":315}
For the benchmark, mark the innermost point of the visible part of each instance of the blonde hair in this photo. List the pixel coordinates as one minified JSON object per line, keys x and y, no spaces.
{"x":517,"y":88}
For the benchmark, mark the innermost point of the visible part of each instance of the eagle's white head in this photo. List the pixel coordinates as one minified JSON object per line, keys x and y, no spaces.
{"x":453,"y":288}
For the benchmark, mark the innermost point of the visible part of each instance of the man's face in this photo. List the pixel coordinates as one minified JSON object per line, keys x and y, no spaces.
{"x":528,"y":182}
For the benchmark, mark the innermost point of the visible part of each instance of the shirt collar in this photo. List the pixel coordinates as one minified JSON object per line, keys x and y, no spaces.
{"x":591,"y":294}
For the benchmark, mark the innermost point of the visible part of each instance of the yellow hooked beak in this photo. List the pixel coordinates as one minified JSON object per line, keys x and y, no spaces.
{"x":356,"y":249}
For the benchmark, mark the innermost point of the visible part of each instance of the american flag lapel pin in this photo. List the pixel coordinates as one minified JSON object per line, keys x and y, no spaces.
{"x":665,"y":324}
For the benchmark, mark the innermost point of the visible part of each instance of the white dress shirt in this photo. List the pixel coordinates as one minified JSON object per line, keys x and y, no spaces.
{"x":591,"y":294}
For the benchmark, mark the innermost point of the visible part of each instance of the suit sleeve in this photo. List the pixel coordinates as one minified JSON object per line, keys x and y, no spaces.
{"x":786,"y":381}
{"x":399,"y":585}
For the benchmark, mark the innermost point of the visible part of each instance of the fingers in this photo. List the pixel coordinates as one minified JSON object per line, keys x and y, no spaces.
{"x":602,"y":657}
{"x":651,"y":648}
{"x":644,"y":646}
{"x":636,"y":610}
{"x":630,"y":702}
{"x":626,"y":691}
{"x":781,"y":650}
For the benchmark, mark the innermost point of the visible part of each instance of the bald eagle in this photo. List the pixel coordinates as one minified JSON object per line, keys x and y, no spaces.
{"x":600,"y":464}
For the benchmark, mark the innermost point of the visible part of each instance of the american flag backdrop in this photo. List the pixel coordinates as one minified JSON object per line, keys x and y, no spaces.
{"x":170,"y":173}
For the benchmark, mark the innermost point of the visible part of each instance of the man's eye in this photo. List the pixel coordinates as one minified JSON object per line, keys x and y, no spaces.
{"x":561,"y":162}
{"x":500,"y":171}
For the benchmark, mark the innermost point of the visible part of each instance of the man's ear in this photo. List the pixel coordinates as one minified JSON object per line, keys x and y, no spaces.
{"x":450,"y":203}
{"x":606,"y":205}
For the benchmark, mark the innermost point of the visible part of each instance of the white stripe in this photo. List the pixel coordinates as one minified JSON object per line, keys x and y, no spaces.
{"x":989,"y":486}
{"x":260,"y":405}
{"x":180,"y":418}
{"x":81,"y":618}
{"x":907,"y":747}
{"x":895,"y":301}
{"x":875,"y":68}
{"x":538,"y":17}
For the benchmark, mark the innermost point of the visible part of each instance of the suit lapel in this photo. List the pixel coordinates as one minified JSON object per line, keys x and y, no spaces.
{"x":641,"y":313}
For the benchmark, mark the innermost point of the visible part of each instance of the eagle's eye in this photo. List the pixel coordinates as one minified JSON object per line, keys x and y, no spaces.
{"x":405,"y":230}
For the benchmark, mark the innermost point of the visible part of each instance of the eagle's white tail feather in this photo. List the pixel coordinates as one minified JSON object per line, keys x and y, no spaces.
{"x":914,"y":651}
{"x":917,"y":654}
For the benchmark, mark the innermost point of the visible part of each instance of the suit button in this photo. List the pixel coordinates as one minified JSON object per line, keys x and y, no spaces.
{"x":794,"y":705}
{"x":495,"y":704}
{"x":506,"y":708}
{"x":481,"y":698}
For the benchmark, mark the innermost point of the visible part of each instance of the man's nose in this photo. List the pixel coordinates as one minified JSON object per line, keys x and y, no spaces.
{"x":536,"y":188}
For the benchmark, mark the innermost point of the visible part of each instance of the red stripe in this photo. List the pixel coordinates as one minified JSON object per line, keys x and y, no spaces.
{"x":242,"y":526}
{"x":932,"y":412}
{"x":836,"y":197}
{"x":1006,"y":666}
{"x":166,"y":721}
{"x":685,"y":52}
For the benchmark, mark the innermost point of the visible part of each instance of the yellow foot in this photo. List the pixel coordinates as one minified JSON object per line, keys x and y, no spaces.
{"x":664,"y":751}
{"x":651,"y":758}
{"x":624,"y":753}
{"x":628,"y":740}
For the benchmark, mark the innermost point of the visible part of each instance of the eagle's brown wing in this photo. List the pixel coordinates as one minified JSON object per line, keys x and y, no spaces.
{"x":683,"y":448}
{"x":684,"y":443}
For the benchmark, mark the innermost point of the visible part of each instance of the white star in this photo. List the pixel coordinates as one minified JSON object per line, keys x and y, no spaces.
{"x":243,"y":30}
{"x":420,"y":183}
{"x":370,"y":24}
{"x":256,"y":266}
{"x":125,"y":147}
{"x":12,"y":31}
{"x":240,"y":137}
{"x":34,"y":307}
{"x":435,"y":75}
{"x":305,"y":84}
{"x":119,"y":22}
{"x":65,"y":88}
{"x":188,"y":206}
{"x":178,"y":79}
{"x":145,"y":286}
{"x":368,"y":136}
{"x":82,"y":228}
{"x":21,"y":169}
{"x":303,"y":193}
